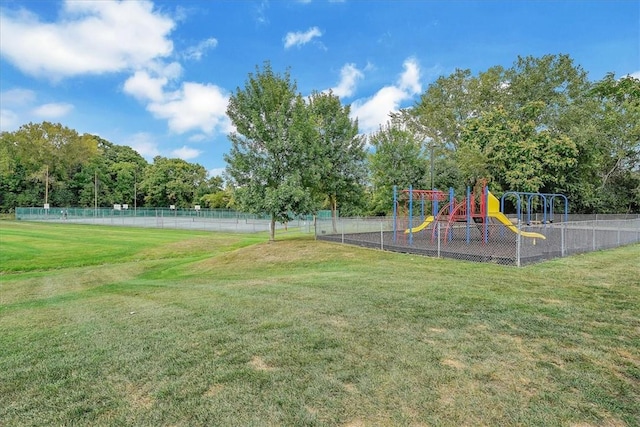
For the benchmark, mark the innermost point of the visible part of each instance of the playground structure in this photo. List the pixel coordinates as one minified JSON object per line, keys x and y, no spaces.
{"x":517,"y":228}
{"x":474,"y":211}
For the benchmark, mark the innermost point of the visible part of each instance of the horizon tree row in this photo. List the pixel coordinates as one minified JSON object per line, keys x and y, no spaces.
{"x":49,"y":163}
{"x":538,"y":126}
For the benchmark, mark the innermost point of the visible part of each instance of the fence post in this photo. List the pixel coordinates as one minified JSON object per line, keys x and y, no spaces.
{"x":438,"y":237}
{"x":381,"y":236}
{"x":594,"y":236}
{"x":342,"y":231}
{"x":518,"y":244}
{"x":562,"y":230}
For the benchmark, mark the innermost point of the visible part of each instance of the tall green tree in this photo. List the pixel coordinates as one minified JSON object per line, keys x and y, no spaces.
{"x":440,"y":116}
{"x":398,"y":160}
{"x":13,"y":176}
{"x":340,"y":155}
{"x":111,"y":177}
{"x":271,"y":161}
{"x":214,"y":195}
{"x":172,"y":182}
{"x":514,"y":153}
{"x":532,"y":126}
{"x":91,"y":184}
{"x":125,"y":168}
{"x":44,"y":157}
{"x":617,"y":120}
{"x":546,"y":91}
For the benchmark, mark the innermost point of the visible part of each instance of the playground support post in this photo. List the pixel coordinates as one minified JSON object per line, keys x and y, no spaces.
{"x":518,"y":243}
{"x":485,"y":212}
{"x":411,"y":215}
{"x":395,"y":213}
{"x":468,"y":207}
{"x":452,"y":203}
{"x":438,"y":228}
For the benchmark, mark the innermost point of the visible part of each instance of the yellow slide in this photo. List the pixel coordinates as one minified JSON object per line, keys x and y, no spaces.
{"x":428,"y":220}
{"x":503,"y":219}
{"x":494,"y":212}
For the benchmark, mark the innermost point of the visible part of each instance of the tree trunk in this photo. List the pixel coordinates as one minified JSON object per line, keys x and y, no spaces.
{"x":272,"y":230}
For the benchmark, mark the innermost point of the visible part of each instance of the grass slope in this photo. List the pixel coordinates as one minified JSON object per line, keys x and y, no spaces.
{"x":115,"y":326}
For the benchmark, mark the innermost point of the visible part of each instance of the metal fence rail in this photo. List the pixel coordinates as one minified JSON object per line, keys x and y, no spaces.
{"x":491,"y":243}
{"x":204,"y":219}
{"x":476,"y":242}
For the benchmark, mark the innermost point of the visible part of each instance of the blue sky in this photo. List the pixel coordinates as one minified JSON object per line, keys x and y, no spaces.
{"x":157,"y":75}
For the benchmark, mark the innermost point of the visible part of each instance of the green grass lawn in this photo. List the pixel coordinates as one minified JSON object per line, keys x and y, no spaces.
{"x":124,"y":326}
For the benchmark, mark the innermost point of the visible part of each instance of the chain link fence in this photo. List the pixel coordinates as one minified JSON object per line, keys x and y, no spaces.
{"x":497,"y":243}
{"x":516,"y":245}
{"x":202,"y":219}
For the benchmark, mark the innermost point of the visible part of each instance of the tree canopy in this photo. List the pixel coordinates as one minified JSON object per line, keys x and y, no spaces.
{"x":50,"y":163}
{"x":538,"y":126}
{"x":340,"y":155}
{"x":271,"y":161}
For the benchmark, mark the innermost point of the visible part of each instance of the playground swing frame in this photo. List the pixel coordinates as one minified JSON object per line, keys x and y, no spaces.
{"x":548,"y":207}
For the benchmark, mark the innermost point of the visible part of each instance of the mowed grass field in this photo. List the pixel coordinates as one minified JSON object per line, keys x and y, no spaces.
{"x":147,"y":327}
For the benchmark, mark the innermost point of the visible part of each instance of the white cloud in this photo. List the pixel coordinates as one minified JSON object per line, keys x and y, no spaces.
{"x":14,"y":102}
{"x":144,"y":87}
{"x":374,"y":112}
{"x":192,"y":107}
{"x":9,"y":120}
{"x":186,"y":153}
{"x":349,"y":76}
{"x":199,"y":107}
{"x":19,"y":107}
{"x":17,"y":97}
{"x":91,"y":37}
{"x":301,"y":38}
{"x":410,"y":79}
{"x":197,"y":52}
{"x":199,"y":137}
{"x":53,"y":110}
{"x":144,"y":144}
{"x":635,"y":75}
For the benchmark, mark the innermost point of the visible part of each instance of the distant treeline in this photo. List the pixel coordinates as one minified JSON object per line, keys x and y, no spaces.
{"x":539,"y":126}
